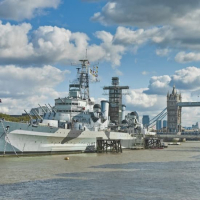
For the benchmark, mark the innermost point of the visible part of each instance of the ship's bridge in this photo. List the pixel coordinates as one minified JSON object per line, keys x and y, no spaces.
{"x":74,"y":91}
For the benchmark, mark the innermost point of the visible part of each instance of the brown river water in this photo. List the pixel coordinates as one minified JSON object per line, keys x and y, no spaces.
{"x":171,"y":173}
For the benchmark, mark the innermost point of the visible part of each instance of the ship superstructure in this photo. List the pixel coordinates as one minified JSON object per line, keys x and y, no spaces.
{"x":74,"y":123}
{"x":79,"y":97}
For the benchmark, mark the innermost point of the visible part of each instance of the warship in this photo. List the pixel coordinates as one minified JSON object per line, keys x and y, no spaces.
{"x":75,"y":123}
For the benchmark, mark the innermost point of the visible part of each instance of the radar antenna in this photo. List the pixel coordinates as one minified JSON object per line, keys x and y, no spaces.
{"x":85,"y":74}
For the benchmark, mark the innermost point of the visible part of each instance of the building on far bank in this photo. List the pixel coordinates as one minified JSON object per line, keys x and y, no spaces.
{"x":159,"y":125}
{"x":195,"y":126}
{"x":164,"y":123}
{"x":145,"y":120}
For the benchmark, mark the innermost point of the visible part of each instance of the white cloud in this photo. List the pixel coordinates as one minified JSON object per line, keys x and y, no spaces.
{"x":23,"y":88}
{"x":158,"y":85}
{"x":25,"y":9}
{"x":183,"y":57}
{"x":187,"y":78}
{"x":168,"y":24}
{"x":118,"y":72}
{"x":112,"y":52}
{"x":162,"y":52}
{"x":126,"y":36}
{"x":49,"y":45}
{"x":148,"y":12}
{"x":145,"y":73}
{"x":14,"y":43}
{"x":139,"y":99}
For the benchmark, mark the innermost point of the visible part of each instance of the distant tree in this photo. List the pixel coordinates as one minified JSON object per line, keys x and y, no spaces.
{"x":15,"y":119}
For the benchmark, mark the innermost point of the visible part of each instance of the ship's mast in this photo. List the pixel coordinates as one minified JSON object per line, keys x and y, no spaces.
{"x":84,"y":76}
{"x":84,"y":79}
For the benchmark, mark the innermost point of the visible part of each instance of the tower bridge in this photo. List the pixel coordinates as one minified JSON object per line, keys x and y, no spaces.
{"x":173,"y":112}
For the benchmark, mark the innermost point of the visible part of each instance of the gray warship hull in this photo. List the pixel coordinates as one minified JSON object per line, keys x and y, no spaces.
{"x":26,"y":138}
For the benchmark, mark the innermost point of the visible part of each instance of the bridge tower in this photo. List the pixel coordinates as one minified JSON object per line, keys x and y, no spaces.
{"x":173,"y":112}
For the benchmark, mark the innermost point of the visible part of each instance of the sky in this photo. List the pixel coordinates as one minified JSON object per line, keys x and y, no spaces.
{"x":150,"y":45}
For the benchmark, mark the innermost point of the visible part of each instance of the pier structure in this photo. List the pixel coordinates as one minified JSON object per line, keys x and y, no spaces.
{"x":152,"y":142}
{"x":103,"y":145}
{"x":116,"y":109}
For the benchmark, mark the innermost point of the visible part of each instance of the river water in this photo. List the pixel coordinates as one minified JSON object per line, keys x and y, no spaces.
{"x":172,"y":173}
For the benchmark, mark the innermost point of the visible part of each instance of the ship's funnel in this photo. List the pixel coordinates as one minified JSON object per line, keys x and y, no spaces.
{"x":104,"y":108}
{"x":97,"y":108}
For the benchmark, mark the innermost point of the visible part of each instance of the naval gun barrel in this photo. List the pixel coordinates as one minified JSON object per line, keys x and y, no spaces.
{"x":34,"y":114}
{"x":28,"y":114}
{"x":47,"y":108}
{"x":38,"y":114}
{"x":42,"y":109}
{"x":52,"y":108}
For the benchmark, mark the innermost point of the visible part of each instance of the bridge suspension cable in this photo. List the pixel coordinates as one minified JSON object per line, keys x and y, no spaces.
{"x":153,"y":119}
{"x":161,"y":115}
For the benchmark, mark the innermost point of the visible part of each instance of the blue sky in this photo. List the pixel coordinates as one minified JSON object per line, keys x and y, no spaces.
{"x":150,"y":44}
